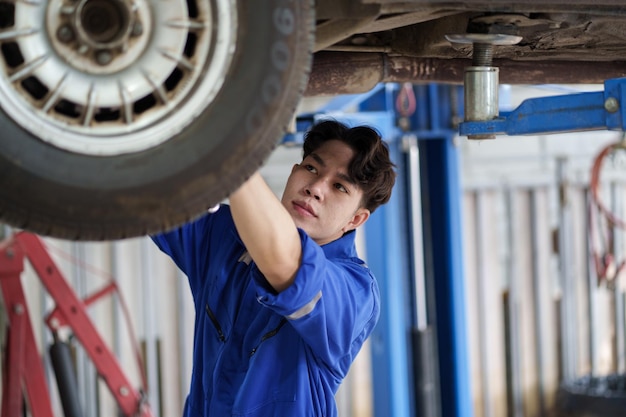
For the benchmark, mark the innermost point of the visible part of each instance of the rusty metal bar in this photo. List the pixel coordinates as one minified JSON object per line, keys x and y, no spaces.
{"x":357,"y":72}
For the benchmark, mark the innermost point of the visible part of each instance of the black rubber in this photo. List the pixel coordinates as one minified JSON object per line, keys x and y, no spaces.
{"x":53,"y":192}
{"x":67,"y":383}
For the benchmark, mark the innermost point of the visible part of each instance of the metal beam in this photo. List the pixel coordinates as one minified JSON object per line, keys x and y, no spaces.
{"x":354,"y":72}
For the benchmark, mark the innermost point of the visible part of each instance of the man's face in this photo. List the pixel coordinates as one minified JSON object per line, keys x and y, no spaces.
{"x":321,"y":198}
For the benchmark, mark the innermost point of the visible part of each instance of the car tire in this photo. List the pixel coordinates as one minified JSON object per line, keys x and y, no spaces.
{"x":56,"y":186}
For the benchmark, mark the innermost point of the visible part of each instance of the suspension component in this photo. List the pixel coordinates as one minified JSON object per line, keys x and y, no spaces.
{"x":481,"y":80}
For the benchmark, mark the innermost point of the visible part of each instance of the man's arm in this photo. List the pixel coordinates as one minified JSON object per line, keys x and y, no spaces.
{"x":267,"y":231}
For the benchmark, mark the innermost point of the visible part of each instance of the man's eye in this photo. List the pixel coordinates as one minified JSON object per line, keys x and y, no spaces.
{"x":341,"y":188}
{"x":310,"y":168}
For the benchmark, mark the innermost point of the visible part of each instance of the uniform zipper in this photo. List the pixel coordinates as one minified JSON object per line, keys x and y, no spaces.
{"x":268,"y":335}
{"x":216,"y":324}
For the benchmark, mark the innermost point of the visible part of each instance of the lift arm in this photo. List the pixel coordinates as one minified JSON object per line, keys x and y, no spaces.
{"x":603,"y":110}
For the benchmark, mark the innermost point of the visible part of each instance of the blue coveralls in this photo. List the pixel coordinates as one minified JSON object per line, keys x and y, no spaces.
{"x":259,"y":353}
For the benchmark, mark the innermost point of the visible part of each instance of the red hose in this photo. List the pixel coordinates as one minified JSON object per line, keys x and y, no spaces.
{"x":605,"y":264}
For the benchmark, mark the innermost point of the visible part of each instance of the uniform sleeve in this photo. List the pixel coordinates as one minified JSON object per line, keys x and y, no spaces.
{"x":189,"y":246}
{"x":332,"y":304}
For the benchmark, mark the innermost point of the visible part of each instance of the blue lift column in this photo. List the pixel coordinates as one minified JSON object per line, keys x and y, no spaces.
{"x":438,"y":109}
{"x":419,"y":348}
{"x":388,"y":256}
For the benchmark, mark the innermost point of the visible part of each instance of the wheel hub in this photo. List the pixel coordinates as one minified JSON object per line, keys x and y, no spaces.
{"x":102,"y":23}
{"x":99,"y":36}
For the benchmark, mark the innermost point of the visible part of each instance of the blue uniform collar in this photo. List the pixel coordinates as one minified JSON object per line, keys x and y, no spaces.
{"x":341,"y":248}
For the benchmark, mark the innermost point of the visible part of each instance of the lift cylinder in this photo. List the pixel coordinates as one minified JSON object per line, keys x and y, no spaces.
{"x":481,"y":95}
{"x":61,"y":358}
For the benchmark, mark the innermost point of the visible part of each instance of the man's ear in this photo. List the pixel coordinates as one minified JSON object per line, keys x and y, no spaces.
{"x":360,"y":216}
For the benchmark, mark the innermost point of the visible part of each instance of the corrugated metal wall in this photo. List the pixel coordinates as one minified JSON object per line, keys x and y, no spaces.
{"x":536,"y":313}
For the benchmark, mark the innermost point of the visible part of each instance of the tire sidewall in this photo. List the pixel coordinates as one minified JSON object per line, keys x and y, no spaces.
{"x":177,"y":179}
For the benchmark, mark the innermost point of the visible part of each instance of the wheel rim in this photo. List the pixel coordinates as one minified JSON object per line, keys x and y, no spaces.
{"x":109,"y":77}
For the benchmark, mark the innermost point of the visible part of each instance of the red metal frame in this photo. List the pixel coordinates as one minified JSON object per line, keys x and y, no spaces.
{"x":24,"y":367}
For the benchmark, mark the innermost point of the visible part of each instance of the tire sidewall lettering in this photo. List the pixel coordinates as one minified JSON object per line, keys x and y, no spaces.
{"x":271,"y":89}
{"x":281,"y":55}
{"x":283,"y":22}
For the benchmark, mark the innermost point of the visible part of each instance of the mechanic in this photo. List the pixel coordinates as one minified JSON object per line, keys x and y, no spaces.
{"x":283,"y":303}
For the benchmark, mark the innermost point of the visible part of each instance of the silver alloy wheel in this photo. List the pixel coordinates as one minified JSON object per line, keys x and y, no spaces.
{"x":110,"y":77}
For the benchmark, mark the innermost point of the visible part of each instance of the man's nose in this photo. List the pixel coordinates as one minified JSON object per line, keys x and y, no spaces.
{"x":310,"y":192}
{"x":315,"y":189}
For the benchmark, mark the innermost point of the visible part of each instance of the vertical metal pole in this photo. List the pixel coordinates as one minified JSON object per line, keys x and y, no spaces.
{"x":540,"y":313}
{"x":86,"y":373}
{"x":516,"y":400}
{"x":425,"y":355}
{"x":482,"y":307}
{"x":150,"y":332}
{"x":589,"y":287}
{"x":182,"y":288}
{"x":117,"y":322}
{"x":420,"y":315}
{"x":567,"y":279}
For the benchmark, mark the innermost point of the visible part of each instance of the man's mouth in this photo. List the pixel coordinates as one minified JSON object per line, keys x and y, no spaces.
{"x":304,"y":208}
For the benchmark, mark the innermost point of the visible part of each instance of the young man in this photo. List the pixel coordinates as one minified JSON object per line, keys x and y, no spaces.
{"x":283,"y":303}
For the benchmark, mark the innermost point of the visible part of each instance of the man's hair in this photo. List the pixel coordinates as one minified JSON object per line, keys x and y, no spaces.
{"x":370,"y":168}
